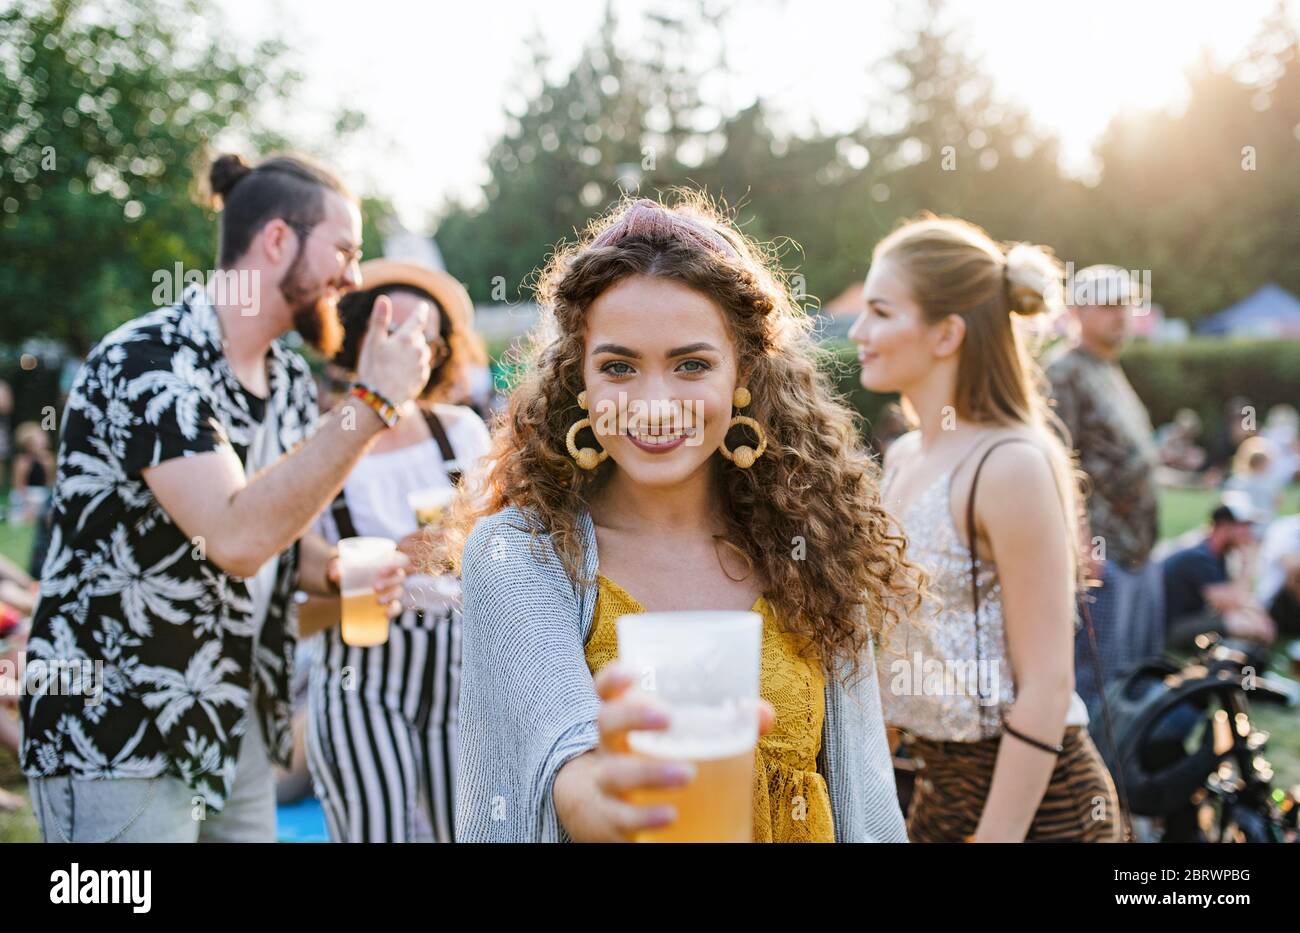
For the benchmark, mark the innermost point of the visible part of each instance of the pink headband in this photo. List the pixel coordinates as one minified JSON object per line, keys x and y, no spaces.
{"x":649,"y":219}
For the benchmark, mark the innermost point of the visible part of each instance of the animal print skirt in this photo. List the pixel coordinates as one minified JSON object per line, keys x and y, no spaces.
{"x":953,"y":779}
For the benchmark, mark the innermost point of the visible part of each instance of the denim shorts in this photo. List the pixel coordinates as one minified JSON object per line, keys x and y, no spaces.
{"x":160,"y":809}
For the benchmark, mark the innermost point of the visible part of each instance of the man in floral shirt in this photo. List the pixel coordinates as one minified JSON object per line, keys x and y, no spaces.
{"x":191,"y":462}
{"x":1112,"y":435}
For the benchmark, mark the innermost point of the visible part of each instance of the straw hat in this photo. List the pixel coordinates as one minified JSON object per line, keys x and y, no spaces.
{"x":376,"y":273}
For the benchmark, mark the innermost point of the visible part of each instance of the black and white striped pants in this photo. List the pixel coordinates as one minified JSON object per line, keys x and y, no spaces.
{"x":381,"y":733}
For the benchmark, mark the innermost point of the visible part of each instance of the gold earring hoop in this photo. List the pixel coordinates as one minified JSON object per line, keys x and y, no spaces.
{"x":743,"y":456}
{"x":588,"y":458}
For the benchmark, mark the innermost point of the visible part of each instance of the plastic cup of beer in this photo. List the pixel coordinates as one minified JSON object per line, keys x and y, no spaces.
{"x":365,"y":620}
{"x":430,"y":505}
{"x":704,"y":668}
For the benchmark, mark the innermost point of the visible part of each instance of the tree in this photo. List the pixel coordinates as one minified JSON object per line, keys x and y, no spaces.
{"x":615,"y":123}
{"x":831,"y":195}
{"x":109,"y":111}
{"x":1207,"y":198}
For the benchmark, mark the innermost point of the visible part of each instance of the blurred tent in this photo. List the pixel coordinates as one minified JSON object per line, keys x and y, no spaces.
{"x":407,"y":246}
{"x":1270,"y":311}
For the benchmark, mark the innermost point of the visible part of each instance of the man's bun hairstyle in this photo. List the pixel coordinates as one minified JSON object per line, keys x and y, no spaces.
{"x":289,"y":187}
{"x":226,"y":171}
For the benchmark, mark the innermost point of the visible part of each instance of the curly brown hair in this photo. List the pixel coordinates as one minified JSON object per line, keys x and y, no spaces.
{"x":816,"y":486}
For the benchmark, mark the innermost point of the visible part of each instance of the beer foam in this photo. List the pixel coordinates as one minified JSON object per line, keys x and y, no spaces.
{"x":700,"y":733}
{"x":655,"y":745}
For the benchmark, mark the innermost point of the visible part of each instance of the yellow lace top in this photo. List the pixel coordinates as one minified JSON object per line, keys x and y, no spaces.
{"x":791,"y":802}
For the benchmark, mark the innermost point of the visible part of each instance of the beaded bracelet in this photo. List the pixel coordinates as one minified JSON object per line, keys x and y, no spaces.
{"x":385,"y":409}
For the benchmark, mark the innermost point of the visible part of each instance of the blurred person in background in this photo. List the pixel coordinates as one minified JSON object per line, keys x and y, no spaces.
{"x":33,"y":472}
{"x":1282,"y":429}
{"x":476,"y":386}
{"x":17,"y":587}
{"x":1238,"y":424}
{"x":1180,"y":450}
{"x":1254,"y":475}
{"x":17,"y":596}
{"x":1277,"y":579}
{"x":1201,"y":594}
{"x":13,"y":639}
{"x":1111,"y":433}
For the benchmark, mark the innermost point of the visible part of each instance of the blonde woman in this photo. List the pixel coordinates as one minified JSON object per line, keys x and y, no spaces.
{"x":987,"y":496}
{"x":766,"y":501}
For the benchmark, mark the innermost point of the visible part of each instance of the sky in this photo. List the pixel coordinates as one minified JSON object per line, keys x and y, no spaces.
{"x":433,"y":79}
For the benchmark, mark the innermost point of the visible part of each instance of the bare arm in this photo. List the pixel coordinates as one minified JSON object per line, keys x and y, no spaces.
{"x":11,"y":571}
{"x":322,"y":607}
{"x":315,"y":557}
{"x":1032,"y":554}
{"x":1228,"y":596}
{"x":243,"y":524}
{"x":902,"y":450}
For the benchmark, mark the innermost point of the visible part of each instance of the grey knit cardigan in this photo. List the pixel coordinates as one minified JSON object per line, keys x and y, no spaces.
{"x":528,"y":705}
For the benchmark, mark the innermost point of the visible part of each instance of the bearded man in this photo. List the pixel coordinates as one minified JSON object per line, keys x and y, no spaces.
{"x":192,"y":461}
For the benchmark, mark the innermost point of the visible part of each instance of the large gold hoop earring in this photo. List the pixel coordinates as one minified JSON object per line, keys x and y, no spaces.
{"x":588,"y":458}
{"x":743,"y":456}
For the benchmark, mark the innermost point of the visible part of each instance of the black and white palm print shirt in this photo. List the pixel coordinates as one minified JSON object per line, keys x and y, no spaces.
{"x":123,"y":585}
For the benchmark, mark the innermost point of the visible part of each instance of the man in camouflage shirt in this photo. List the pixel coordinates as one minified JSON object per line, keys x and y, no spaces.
{"x":1113,"y":438}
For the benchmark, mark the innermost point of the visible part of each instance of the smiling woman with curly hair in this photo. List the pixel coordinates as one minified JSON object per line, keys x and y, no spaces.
{"x":717,"y":471}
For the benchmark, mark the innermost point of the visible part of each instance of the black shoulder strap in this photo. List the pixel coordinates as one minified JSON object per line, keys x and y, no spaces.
{"x":449,"y":461}
{"x":339,"y":508}
{"x":974,"y":571}
{"x":343,"y":516}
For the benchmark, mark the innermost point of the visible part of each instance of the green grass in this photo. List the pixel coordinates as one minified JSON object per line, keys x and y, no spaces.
{"x":1283,"y":750}
{"x":1184,"y":509}
{"x":20,"y":826}
{"x":16,"y":542}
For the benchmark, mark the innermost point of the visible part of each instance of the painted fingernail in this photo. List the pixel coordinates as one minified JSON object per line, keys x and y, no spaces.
{"x":677,"y":773}
{"x":654,"y":718}
{"x":662,"y":816}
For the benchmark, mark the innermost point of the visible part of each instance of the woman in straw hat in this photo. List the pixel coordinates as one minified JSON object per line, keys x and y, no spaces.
{"x":381,"y":735}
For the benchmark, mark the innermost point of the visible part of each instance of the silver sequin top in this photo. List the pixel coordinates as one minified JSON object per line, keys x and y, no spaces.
{"x":930,"y":683}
